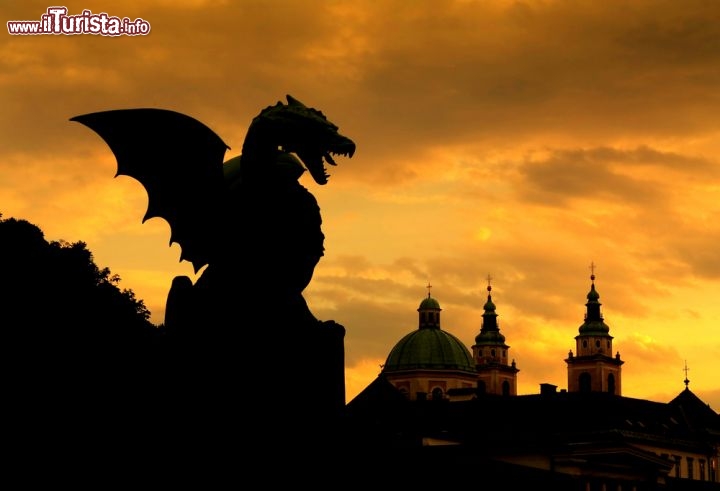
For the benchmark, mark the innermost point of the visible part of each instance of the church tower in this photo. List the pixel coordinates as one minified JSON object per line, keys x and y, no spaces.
{"x":490,"y":353}
{"x":593,"y":368}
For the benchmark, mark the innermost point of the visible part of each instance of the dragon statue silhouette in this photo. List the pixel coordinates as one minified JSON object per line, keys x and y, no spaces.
{"x":248,"y":221}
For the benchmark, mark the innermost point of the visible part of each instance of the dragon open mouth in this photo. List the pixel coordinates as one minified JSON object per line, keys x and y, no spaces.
{"x":316,"y":165}
{"x":345,"y":152}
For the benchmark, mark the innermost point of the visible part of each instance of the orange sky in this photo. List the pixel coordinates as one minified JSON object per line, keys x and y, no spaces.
{"x":517,"y":139}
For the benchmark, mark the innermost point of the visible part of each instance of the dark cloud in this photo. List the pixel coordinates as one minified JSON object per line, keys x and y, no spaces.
{"x":605,"y":175}
{"x":400,"y":77}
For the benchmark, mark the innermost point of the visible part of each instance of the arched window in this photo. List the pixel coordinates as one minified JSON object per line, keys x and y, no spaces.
{"x":585,"y":382}
{"x":437,"y":394}
{"x":506,"y":388}
{"x":611,"y":383}
{"x":481,"y":387}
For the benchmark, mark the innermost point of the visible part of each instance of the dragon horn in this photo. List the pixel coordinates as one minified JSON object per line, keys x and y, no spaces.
{"x":294,"y":102}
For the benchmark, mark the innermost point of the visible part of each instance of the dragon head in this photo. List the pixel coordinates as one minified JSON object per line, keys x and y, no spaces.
{"x":306,"y":132}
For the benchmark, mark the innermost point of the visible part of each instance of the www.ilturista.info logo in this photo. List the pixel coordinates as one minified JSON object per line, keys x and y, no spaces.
{"x":57,"y":21}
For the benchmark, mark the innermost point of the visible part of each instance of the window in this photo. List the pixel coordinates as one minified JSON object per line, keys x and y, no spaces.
{"x":585,"y":382}
{"x":437,"y":394}
{"x":691,"y":465}
{"x":611,"y":384}
{"x":702,"y":469}
{"x":506,"y":388}
{"x":678,"y":461}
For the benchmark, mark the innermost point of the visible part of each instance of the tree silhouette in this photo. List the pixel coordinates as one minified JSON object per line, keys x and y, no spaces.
{"x":82,"y":357}
{"x":55,"y":291}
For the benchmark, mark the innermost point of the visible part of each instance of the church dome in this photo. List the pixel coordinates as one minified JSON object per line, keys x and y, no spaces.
{"x":429,"y":349}
{"x":429,"y":303}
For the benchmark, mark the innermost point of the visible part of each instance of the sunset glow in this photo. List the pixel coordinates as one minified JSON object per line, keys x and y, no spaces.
{"x":521,"y":140}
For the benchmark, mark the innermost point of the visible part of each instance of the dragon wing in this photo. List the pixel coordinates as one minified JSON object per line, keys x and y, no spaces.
{"x":179,"y":161}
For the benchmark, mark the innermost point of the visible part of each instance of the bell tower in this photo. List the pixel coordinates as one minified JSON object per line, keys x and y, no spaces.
{"x":593,"y":368}
{"x":495,"y":375}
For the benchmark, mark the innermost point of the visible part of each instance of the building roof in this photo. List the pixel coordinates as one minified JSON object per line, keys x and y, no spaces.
{"x":555,"y":418}
{"x":429,"y":349}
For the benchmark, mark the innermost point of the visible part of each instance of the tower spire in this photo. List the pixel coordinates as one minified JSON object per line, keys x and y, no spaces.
{"x":593,"y":314}
{"x":593,"y":368}
{"x":490,"y":352}
{"x":489,"y":317}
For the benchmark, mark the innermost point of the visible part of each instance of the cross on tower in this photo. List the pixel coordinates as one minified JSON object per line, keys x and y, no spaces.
{"x":592,"y":270}
{"x":686,"y":369}
{"x":489,"y":278}
{"x":429,"y":286}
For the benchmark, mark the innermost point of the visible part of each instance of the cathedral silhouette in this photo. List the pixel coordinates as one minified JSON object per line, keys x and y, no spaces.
{"x":438,"y":405}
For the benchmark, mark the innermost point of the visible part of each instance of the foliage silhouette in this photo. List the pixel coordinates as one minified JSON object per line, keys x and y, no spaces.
{"x":58,"y":284}
{"x":81,"y":353}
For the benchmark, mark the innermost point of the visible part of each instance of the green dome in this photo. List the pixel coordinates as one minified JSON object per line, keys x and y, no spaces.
{"x":429,"y":303}
{"x":429,"y":349}
{"x":490,"y":337}
{"x":594,"y":327}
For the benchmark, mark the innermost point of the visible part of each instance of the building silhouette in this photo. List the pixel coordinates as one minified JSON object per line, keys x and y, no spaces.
{"x":436,"y":405}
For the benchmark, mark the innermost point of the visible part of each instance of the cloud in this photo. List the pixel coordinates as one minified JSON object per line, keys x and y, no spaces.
{"x":432,"y":73}
{"x":606,"y":175}
{"x":643,"y":349}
